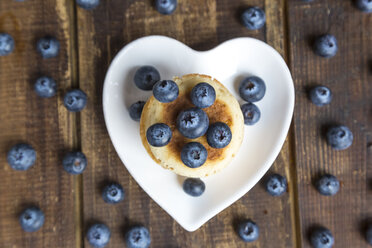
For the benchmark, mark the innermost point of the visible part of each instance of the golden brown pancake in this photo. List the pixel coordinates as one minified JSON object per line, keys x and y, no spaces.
{"x":225,"y":109}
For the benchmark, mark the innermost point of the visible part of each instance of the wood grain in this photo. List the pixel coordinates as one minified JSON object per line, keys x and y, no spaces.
{"x":202,"y":25}
{"x":43,"y":123}
{"x":348,"y":76}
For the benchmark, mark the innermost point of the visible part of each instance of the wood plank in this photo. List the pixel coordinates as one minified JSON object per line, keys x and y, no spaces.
{"x":348,"y":76}
{"x":202,"y":25}
{"x":43,"y":123}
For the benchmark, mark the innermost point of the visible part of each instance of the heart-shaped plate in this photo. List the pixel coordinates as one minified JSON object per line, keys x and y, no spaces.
{"x":229,"y":63}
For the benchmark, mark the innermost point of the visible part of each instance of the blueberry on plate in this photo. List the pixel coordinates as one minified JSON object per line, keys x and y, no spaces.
{"x":320,"y":95}
{"x":194,"y":154}
{"x":193,"y":186}
{"x":166,"y":7}
{"x":6,"y":44}
{"x":248,"y":231}
{"x":219,"y":135}
{"x":45,"y":87}
{"x":87,"y":4}
{"x":113,"y":193}
{"x":192,"y":123}
{"x":253,"y":18}
{"x":31,"y":219}
{"x":252,"y":89}
{"x":339,"y":137}
{"x":251,"y":113}
{"x":138,"y":237}
{"x":165,"y":91}
{"x":146,"y":76}
{"x":276,"y":185}
{"x":321,"y":238}
{"x":369,"y":234}
{"x":326,"y":46}
{"x":135,"y":110}
{"x":98,"y":235}
{"x":327,"y":185}
{"x":48,"y":47}
{"x":75,"y":100}
{"x":21,"y":157}
{"x":159,"y":134}
{"x":203,"y":95}
{"x":364,"y":5}
{"x":74,"y":162}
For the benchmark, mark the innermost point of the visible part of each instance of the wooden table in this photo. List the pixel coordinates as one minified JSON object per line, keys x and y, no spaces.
{"x":89,"y":41}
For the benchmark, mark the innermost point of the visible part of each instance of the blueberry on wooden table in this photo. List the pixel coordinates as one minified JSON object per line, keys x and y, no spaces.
{"x":326,"y":46}
{"x":219,"y":135}
{"x":203,"y":95}
{"x":31,"y":219}
{"x":364,"y":5}
{"x":251,"y":113}
{"x":321,"y":238}
{"x":113,"y":193}
{"x":193,"y":187}
{"x":74,"y":163}
{"x":21,"y":157}
{"x":6,"y":44}
{"x":252,"y":89}
{"x":248,"y":231}
{"x":159,"y":134}
{"x":146,"y":77}
{"x":75,"y":100}
{"x":87,"y":4}
{"x":45,"y":87}
{"x":165,"y":91}
{"x":339,"y":137}
{"x":276,"y":185}
{"x":253,"y":18}
{"x":192,"y":123}
{"x":320,"y":95}
{"x":138,"y":237}
{"x":194,"y":154}
{"x":98,"y":235}
{"x":166,"y":7}
{"x":327,"y":185}
{"x":135,"y":110}
{"x":48,"y":47}
{"x":369,"y":234}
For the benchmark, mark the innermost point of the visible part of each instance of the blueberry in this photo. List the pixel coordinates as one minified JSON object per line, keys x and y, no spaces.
{"x":252,"y":89}
{"x":203,"y":95}
{"x":48,"y":47}
{"x":87,"y":4}
{"x":74,"y":162}
{"x":253,"y":18}
{"x":194,"y":154}
{"x":251,"y":113}
{"x":159,"y":134}
{"x":6,"y":44}
{"x":339,"y":137}
{"x":98,"y":235}
{"x":165,"y":91}
{"x":219,"y":135}
{"x":276,"y":185}
{"x":248,"y":231}
{"x":369,"y":234}
{"x":192,"y":123}
{"x":193,"y":186}
{"x":320,"y":95}
{"x":21,"y":157}
{"x":146,"y":76}
{"x":138,"y":237}
{"x":328,"y":185}
{"x":75,"y":100}
{"x":166,"y":7}
{"x":45,"y":87}
{"x":364,"y":5}
{"x":113,"y":193}
{"x":321,"y":238}
{"x":135,"y":110}
{"x":31,"y":219}
{"x":326,"y":46}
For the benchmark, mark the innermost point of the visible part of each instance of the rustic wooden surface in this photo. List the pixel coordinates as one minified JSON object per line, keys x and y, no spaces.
{"x":90,"y":40}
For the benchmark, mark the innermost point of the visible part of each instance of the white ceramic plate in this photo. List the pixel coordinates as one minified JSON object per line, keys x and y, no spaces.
{"x":229,"y":63}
